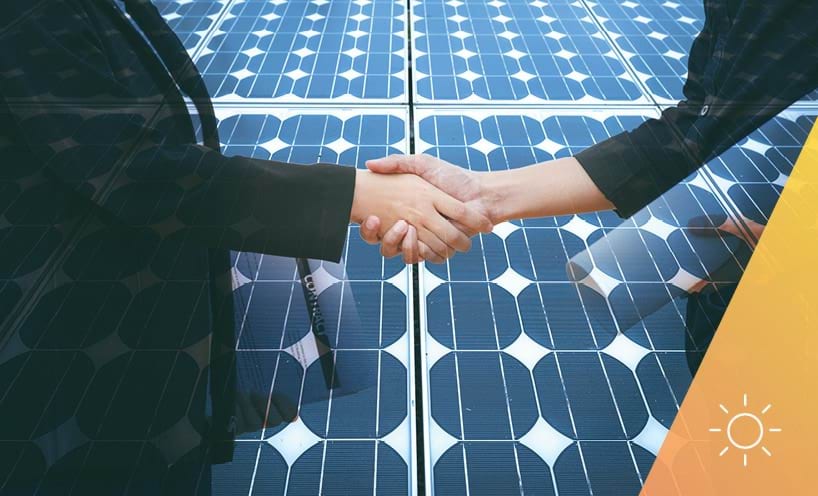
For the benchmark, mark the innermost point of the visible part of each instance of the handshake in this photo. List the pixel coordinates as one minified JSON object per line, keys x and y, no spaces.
{"x":428,"y":209}
{"x":420,"y":206}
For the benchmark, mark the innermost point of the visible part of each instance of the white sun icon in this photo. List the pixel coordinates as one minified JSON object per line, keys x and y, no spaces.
{"x":745,"y":430}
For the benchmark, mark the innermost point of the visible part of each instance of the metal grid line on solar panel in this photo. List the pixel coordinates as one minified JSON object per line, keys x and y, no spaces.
{"x":191,"y":20}
{"x":515,"y":51}
{"x":366,"y":434}
{"x":526,"y":332}
{"x":753,"y":173}
{"x":340,"y":51}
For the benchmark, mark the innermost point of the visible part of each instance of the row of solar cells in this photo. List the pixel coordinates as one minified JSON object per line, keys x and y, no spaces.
{"x":512,"y":51}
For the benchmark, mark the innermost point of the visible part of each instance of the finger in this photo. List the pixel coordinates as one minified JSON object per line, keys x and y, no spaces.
{"x":370,"y":228}
{"x":390,"y":246}
{"x":465,"y":230}
{"x":449,"y":234}
{"x":427,"y":254}
{"x":463,"y":214}
{"x":410,"y":246}
{"x":434,"y":242}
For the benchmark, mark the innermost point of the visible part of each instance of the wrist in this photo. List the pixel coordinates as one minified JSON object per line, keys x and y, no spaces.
{"x":358,"y":211}
{"x":494,"y":194}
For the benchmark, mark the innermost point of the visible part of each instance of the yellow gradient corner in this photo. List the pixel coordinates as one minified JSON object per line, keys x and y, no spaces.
{"x":756,"y":393}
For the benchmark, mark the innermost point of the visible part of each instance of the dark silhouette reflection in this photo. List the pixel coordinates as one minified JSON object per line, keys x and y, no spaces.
{"x":121,"y":363}
{"x":703,"y":316}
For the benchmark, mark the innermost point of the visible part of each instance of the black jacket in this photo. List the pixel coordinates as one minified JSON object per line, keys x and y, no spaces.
{"x":110,"y":216}
{"x":752,"y":59}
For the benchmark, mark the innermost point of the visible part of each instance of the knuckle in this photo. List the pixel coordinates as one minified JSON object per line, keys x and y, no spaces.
{"x":459,"y":210}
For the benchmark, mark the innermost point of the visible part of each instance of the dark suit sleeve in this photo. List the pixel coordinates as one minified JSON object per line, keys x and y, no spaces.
{"x":73,"y":121}
{"x":744,"y":68}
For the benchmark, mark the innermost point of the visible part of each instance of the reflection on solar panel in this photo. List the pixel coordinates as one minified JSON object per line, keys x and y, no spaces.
{"x":557,"y":351}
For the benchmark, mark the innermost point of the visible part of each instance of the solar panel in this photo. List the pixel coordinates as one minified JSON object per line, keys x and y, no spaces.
{"x":339,"y":51}
{"x":515,"y":51}
{"x":359,"y":436}
{"x":556,"y":353}
{"x":540,"y":382}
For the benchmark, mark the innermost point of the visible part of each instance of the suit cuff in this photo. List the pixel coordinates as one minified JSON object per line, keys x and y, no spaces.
{"x":330,"y":203}
{"x":622,"y":171}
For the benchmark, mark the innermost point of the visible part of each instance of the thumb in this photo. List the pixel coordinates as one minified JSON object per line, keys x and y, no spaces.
{"x":394,"y":164}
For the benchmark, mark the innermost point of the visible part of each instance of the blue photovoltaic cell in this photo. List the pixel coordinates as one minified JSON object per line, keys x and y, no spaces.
{"x":191,"y":21}
{"x":753,"y":173}
{"x":358,"y":438}
{"x":320,"y":50}
{"x":516,"y":51}
{"x":530,"y":388}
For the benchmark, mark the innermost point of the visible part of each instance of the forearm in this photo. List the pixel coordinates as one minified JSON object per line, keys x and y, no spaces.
{"x":559,"y":187}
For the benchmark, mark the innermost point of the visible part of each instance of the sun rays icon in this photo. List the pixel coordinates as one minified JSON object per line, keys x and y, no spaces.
{"x":748,"y":428}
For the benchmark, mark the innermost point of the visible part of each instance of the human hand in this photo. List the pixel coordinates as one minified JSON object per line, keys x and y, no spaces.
{"x":414,"y":210}
{"x":464,"y":185}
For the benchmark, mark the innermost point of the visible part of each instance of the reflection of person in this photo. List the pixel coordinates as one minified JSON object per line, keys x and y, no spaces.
{"x":115,"y":226}
{"x":751,"y":60}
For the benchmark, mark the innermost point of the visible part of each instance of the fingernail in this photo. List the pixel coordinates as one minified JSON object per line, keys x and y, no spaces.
{"x":370,"y":223}
{"x":401,"y":226}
